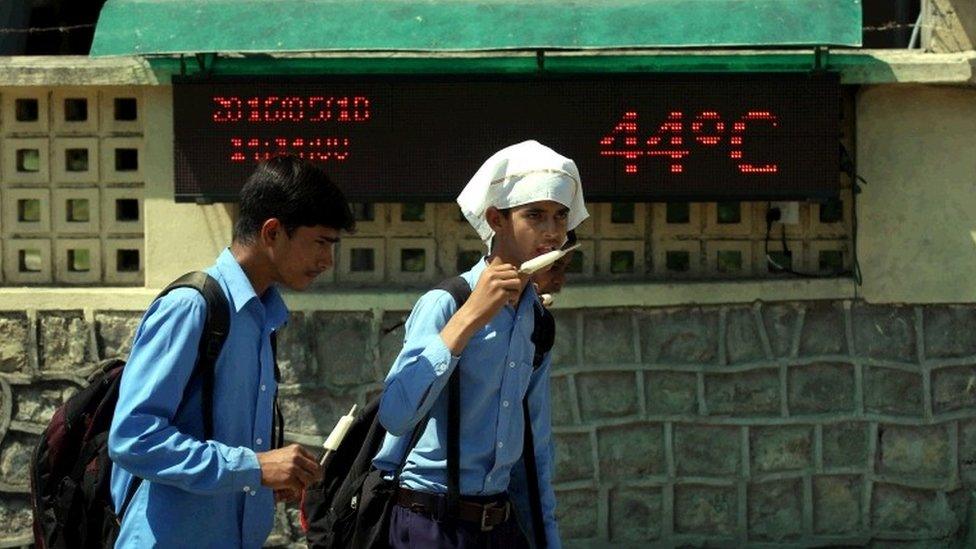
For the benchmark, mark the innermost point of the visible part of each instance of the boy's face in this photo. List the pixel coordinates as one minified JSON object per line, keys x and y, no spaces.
{"x":551,"y":281}
{"x":530,"y":230}
{"x":304,"y":255}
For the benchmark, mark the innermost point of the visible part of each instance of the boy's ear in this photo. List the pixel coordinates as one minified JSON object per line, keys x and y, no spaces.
{"x":494,"y":218}
{"x":271,"y":230}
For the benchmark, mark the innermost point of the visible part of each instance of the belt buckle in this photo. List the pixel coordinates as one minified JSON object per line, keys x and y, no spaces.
{"x":485,"y":527}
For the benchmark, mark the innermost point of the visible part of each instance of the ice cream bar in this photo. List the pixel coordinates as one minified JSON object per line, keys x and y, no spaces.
{"x":539,"y":263}
{"x":338,"y":433}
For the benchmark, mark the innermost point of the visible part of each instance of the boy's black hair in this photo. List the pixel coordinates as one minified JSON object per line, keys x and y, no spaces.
{"x":570,"y":238}
{"x":297,"y":193}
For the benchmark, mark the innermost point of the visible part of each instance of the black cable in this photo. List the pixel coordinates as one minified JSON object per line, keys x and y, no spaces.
{"x":772,"y":215}
{"x":848,"y":166}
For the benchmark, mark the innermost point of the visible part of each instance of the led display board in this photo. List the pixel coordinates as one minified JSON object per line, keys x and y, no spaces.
{"x":661,"y":137}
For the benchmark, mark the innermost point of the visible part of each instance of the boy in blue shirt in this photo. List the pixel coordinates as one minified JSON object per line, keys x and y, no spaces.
{"x":522,"y":202}
{"x":221,"y":492}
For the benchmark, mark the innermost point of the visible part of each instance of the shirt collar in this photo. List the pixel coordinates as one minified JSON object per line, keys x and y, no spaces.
{"x":241,"y":291}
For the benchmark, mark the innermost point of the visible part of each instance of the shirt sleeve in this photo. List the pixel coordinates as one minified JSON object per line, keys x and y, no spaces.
{"x":143,"y":439}
{"x":422,"y":368}
{"x":541,"y":421}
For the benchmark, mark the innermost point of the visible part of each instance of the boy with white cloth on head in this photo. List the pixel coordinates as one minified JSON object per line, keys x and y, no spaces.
{"x":522,"y":201}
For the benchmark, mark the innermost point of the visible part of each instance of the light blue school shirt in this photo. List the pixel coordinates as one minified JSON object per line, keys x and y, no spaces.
{"x":496,"y":372}
{"x":197,"y":493}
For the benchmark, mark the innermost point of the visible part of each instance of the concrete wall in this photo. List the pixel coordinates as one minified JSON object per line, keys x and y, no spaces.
{"x":948,"y":25}
{"x":801,"y":423}
{"x":916,"y":235}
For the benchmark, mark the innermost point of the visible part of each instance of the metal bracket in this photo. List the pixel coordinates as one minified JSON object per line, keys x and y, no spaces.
{"x":206,"y":62}
{"x":821,"y":58}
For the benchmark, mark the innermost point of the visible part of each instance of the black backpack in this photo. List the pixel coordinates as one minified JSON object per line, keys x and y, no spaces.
{"x":70,"y":471}
{"x":351,"y":506}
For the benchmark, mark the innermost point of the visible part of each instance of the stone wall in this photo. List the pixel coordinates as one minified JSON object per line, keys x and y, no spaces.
{"x":804,"y":423}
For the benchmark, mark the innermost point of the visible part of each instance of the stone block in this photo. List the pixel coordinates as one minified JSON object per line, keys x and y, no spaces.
{"x":884,"y":332}
{"x":754,"y":393}
{"x":635,"y":514}
{"x":967,"y":452}
{"x":295,"y":524}
{"x":64,"y":340}
{"x":36,"y":403}
{"x":845,"y":445}
{"x":775,"y":510}
{"x":914,"y":451}
{"x":706,"y":450}
{"x":824,"y":331}
{"x":631,"y":452}
{"x":686,"y":336}
{"x":781,"y":448}
{"x":562,"y":402}
{"x":889,"y":391}
{"x":705,"y":510}
{"x":577,"y":513}
{"x":15,"y":454}
{"x":607,"y":395}
{"x":950,"y":331}
{"x":16,"y":519}
{"x":780,"y":322}
{"x":836,"y":505}
{"x":564,"y":348}
{"x":314,"y":412}
{"x":909,"y":510}
{"x":281,"y":533}
{"x":742,"y":341}
{"x":954,"y":389}
{"x":608,"y":338}
{"x":391,"y":338}
{"x":671,"y":393}
{"x":294,"y":358}
{"x":342,"y":347}
{"x":14,"y":342}
{"x":574,"y":457}
{"x":114,"y":331}
{"x":821,"y":388}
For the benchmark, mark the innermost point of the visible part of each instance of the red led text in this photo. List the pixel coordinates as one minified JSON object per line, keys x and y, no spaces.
{"x":675,"y":136}
{"x":272,"y":109}
{"x":318,"y":149}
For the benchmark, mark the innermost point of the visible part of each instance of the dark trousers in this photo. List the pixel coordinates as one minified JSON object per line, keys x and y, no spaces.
{"x":410,"y":529}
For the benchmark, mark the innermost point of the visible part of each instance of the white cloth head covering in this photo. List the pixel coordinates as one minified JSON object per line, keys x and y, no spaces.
{"x":521,"y":174}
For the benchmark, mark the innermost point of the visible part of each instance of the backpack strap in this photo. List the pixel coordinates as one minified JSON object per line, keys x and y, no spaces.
{"x":460,"y":291}
{"x":543,"y":336}
{"x":215,"y":330}
{"x":278,"y":419}
{"x":532,"y":479}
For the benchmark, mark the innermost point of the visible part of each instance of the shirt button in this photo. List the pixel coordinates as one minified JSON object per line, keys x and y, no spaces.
{"x":254,"y":493}
{"x":511,"y":364}
{"x":264,"y":388}
{"x":247,"y":489}
{"x":258,"y":441}
{"x":501,"y":444}
{"x":505,"y":404}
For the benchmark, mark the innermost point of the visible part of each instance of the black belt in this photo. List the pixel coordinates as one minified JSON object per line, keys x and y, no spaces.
{"x":486,"y":515}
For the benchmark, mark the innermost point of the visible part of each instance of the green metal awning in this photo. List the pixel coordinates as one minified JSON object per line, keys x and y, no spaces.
{"x":173,"y":27}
